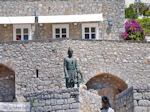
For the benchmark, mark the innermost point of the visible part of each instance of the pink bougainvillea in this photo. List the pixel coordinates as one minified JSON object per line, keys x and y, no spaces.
{"x":133,"y":31}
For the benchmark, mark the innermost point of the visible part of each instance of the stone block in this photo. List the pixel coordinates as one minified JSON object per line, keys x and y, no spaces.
{"x":65,"y":95}
{"x":56,"y":107}
{"x":65,"y":106}
{"x":144,"y":103}
{"x":146,"y":95}
{"x":71,"y":100}
{"x":48,"y":102}
{"x":53,"y":102}
{"x":74,"y":106}
{"x":140,"y":109}
{"x":57,"y":96}
{"x":60,"y":101}
{"x":137,"y":96}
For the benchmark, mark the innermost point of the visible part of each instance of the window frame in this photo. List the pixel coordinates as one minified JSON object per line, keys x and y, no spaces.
{"x":90,"y":25}
{"x":60,"y":26}
{"x":22,"y":27}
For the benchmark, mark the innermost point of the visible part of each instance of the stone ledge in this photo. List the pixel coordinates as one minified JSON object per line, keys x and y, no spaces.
{"x":59,"y":40}
{"x":54,"y":91}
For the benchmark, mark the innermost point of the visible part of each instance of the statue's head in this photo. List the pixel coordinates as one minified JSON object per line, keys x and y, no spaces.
{"x":70,"y":52}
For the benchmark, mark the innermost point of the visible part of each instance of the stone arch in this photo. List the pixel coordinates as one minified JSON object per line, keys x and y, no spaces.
{"x":7,"y":84}
{"x":107,"y":85}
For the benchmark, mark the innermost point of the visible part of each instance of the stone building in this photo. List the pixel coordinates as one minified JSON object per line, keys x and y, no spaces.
{"x":90,"y":19}
{"x":91,"y":28}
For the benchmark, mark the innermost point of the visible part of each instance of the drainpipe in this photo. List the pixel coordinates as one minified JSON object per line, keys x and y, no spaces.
{"x":36,"y":25}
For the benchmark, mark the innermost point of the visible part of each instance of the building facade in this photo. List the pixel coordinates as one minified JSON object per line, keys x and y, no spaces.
{"x":90,"y":19}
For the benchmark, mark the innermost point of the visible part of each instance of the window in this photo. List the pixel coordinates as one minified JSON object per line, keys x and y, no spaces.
{"x":90,"y":31}
{"x":60,"y":31}
{"x":21,"y":32}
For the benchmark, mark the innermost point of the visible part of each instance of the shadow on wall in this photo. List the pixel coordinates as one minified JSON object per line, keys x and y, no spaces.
{"x":107,"y":85}
{"x":108,"y":30}
{"x":7,"y":84}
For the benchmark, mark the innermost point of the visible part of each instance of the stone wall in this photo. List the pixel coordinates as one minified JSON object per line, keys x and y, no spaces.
{"x":64,"y":100}
{"x":89,"y":102}
{"x":141,"y":99}
{"x":111,"y":10}
{"x":128,"y":61}
{"x":134,"y":99}
{"x":49,"y":7}
{"x":59,"y":100}
{"x":124,"y":101}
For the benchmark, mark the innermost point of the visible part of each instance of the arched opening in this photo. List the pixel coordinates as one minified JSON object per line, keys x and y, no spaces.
{"x":107,"y":85}
{"x":7,"y":84}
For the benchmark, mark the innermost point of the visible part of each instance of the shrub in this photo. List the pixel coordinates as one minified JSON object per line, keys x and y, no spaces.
{"x":133,"y":31}
{"x":130,"y":13}
{"x":147,"y":13}
{"x":141,"y":6}
{"x":145,"y":24}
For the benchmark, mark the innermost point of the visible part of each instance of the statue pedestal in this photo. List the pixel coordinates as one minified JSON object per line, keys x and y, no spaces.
{"x":65,"y":100}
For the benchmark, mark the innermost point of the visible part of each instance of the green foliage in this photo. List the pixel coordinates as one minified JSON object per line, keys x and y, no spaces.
{"x":130,"y":13}
{"x":141,"y":6}
{"x":145,"y":24}
{"x":147,"y":13}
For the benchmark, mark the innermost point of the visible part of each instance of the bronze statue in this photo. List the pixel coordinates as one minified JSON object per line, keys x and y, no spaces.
{"x":72,"y":74}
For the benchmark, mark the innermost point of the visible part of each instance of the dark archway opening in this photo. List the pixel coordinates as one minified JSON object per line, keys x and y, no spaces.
{"x":107,"y":85}
{"x":7,"y":84}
